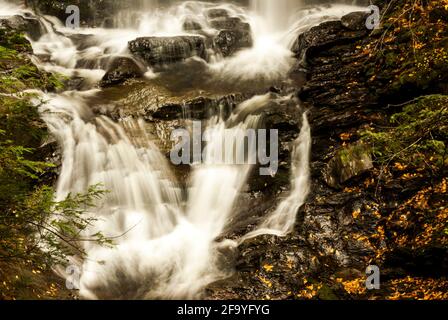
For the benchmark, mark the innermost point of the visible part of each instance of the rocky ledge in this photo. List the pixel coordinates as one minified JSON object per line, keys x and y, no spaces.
{"x":352,"y":218}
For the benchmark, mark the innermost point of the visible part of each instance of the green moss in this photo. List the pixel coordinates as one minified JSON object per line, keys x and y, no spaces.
{"x":19,"y":119}
{"x":18,"y":72}
{"x":14,"y":41}
{"x":355,"y":151}
{"x":410,"y":53}
{"x":418,"y":137}
{"x":326,"y":293}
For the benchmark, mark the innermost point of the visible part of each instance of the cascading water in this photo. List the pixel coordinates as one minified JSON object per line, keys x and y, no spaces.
{"x":281,"y":221}
{"x":171,"y":249}
{"x":277,"y":15}
{"x":165,"y":239}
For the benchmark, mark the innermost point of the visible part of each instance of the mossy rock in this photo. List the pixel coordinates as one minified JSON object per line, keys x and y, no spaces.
{"x":348,"y":163}
{"x":327,"y":293}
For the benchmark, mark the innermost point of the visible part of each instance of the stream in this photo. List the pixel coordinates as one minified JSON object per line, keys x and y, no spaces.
{"x":170,"y":230}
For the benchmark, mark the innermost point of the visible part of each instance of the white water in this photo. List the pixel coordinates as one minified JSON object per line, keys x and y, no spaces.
{"x":278,"y":16}
{"x":170,"y":247}
{"x":281,"y":221}
{"x":165,"y":242}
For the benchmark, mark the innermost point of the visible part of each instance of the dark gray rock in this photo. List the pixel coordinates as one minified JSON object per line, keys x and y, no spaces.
{"x":74,"y":83}
{"x":230,"y":23}
{"x":166,"y":50}
{"x":348,"y":162}
{"x":231,"y":41}
{"x":355,"y":20}
{"x":200,"y":108}
{"x":217,"y":13}
{"x":234,"y":34}
{"x":27,"y":24}
{"x":326,"y":35}
{"x":121,"y":69}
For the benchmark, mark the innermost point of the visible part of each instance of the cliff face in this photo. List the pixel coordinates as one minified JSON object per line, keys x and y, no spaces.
{"x":373,"y":202}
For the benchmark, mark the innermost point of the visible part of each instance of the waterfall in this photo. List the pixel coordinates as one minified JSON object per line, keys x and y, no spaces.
{"x":131,"y":17}
{"x":165,"y":237}
{"x":277,"y":14}
{"x":156,"y":240}
{"x":282,"y":220}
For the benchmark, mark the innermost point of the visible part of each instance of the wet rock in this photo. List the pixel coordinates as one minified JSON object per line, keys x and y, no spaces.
{"x":156,"y":51}
{"x":355,"y":20}
{"x":155,"y":103}
{"x":74,"y":83}
{"x":27,"y":24}
{"x":231,"y":23}
{"x":217,"y":13}
{"x":326,"y":35}
{"x":83,"y":41}
{"x":349,"y":162}
{"x":234,"y":34}
{"x":230,"y":41}
{"x":200,"y":108}
{"x":336,"y":226}
{"x":335,"y":83}
{"x":284,"y":116}
{"x":192,"y":25}
{"x":298,"y":74}
{"x":121,"y":69}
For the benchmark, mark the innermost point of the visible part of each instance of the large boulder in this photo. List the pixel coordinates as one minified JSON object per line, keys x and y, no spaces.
{"x":120,"y":69}
{"x":355,"y":20}
{"x":231,"y":41}
{"x":348,"y":163}
{"x":227,"y":33}
{"x":198,"y":108}
{"x":155,"y":102}
{"x":217,"y":13}
{"x":156,"y":51}
{"x":233,"y":35}
{"x":327,"y":35}
{"x":27,"y":24}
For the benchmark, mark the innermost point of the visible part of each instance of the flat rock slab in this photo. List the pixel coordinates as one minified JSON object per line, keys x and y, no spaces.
{"x":156,"y":51}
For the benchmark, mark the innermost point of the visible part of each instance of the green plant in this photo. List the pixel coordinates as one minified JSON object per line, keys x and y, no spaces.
{"x":32,"y":225}
{"x":418,"y":136}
